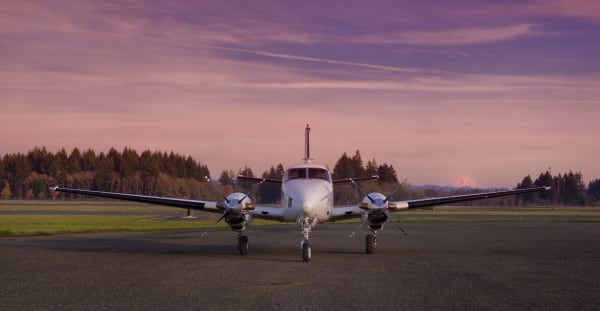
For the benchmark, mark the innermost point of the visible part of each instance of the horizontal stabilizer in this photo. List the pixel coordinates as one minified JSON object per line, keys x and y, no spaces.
{"x":350,"y":180}
{"x":260,"y":180}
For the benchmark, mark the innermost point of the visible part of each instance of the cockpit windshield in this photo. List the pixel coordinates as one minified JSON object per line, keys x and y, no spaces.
{"x":313,"y":173}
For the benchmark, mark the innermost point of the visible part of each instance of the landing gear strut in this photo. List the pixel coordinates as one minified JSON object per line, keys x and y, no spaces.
{"x":243,"y":244}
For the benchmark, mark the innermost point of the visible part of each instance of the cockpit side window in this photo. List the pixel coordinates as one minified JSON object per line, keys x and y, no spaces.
{"x":295,"y":173}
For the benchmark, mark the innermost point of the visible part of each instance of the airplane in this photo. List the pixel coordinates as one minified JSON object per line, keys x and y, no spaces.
{"x":307,"y":199}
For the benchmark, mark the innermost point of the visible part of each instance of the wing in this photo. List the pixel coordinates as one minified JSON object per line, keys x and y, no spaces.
{"x":346,"y":212}
{"x":207,"y":206}
{"x":263,"y":212}
{"x":462,"y":198}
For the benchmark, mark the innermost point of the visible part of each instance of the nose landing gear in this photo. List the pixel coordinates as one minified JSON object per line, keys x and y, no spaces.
{"x":307,"y":224}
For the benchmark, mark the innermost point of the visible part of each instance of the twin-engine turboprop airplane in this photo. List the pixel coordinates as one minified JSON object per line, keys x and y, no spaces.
{"x":307,"y":198}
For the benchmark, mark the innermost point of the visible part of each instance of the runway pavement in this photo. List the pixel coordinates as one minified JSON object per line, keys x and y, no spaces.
{"x":450,"y":266}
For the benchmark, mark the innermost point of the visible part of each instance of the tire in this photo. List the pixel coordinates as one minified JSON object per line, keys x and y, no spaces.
{"x":306,"y":251}
{"x":243,"y":245}
{"x":370,"y":244}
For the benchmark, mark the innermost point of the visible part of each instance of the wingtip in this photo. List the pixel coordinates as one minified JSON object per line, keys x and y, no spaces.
{"x":53,"y":188}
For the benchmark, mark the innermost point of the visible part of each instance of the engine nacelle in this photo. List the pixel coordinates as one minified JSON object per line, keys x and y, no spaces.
{"x":236,"y":201}
{"x":376,"y":206}
{"x":377,"y":219}
{"x":373,"y":200}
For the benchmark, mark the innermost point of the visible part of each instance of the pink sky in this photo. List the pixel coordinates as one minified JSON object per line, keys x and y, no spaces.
{"x":483,"y":93}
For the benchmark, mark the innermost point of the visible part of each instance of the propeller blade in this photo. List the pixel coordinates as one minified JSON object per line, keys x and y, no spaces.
{"x":400,"y":228}
{"x":244,"y":197}
{"x":358,"y":228}
{"x":222,"y":217}
{"x":391,"y":194}
{"x":212,"y":185}
{"x":360,"y":189}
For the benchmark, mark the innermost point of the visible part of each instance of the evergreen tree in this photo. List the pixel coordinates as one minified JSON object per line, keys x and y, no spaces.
{"x":20,"y":169}
{"x":40,"y":159}
{"x":226,"y":178}
{"x":89,"y":162}
{"x":343,"y":168}
{"x":357,"y":165}
{"x":128,"y":162}
{"x":594,"y":189}
{"x":2,"y":170}
{"x":74,"y":161}
{"x":371,"y":168}
{"x":387,"y":174}
{"x":59,"y":163}
{"x":545,"y":180}
{"x":528,"y":197}
{"x":573,"y":188}
{"x":103,"y":180}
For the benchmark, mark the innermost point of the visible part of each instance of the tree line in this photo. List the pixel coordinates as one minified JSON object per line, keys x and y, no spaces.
{"x":567,"y":189}
{"x":26,"y":176}
{"x":159,"y":173}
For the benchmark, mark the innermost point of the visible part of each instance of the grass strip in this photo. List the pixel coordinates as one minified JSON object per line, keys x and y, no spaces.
{"x":26,"y":225}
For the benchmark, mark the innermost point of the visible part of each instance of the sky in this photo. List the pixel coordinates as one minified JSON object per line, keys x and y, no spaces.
{"x":478,"y":93}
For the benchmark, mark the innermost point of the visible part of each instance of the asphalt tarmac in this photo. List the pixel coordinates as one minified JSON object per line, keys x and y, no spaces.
{"x":439,"y":265}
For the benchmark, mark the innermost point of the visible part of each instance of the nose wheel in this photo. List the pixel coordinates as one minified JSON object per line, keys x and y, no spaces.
{"x":306,"y":251}
{"x":307,"y":224}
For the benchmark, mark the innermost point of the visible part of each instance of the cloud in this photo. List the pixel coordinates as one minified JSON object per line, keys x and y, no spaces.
{"x":228,"y":84}
{"x":582,"y":9}
{"x":461,"y":36}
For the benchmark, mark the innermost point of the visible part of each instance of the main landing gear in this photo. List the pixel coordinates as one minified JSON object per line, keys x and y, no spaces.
{"x":243,"y":244}
{"x":370,"y":243}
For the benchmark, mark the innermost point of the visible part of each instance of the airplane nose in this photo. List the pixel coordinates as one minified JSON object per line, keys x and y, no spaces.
{"x":307,"y":209}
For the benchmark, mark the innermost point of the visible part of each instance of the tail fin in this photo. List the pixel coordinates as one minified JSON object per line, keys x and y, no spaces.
{"x":307,"y":144}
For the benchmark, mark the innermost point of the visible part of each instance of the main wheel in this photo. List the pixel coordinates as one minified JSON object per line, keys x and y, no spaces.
{"x":306,"y":252}
{"x":243,"y":245}
{"x":370,"y":243}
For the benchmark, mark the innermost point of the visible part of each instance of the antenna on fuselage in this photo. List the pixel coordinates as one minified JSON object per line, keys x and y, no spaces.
{"x":307,"y":144}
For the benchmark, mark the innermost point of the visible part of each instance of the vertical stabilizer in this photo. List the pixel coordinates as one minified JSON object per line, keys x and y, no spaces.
{"x":307,"y":144}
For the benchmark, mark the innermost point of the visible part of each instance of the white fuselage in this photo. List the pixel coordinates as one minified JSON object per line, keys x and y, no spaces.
{"x":307,"y":191}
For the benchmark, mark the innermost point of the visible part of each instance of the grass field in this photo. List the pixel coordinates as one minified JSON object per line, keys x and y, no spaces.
{"x":38,"y":221}
{"x":65,"y":206}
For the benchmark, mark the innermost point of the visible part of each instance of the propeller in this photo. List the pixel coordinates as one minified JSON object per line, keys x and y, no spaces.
{"x":225,"y":198}
{"x":230,"y":203}
{"x":377,"y":202}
